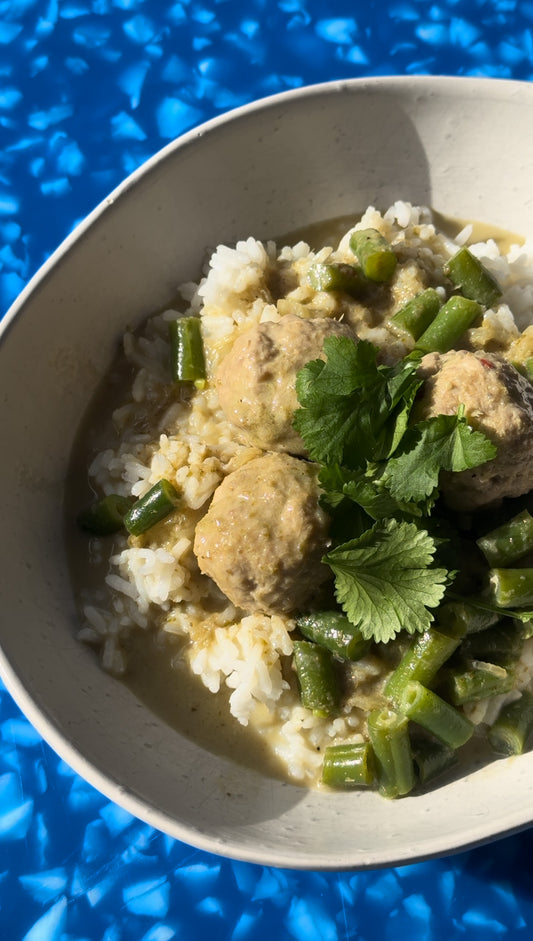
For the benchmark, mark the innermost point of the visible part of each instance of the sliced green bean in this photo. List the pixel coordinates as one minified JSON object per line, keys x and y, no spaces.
{"x":374,"y":254}
{"x":470,"y":275}
{"x":187,"y":351}
{"x":452,"y":320}
{"x":435,"y":715}
{"x":421,"y":661}
{"x":509,"y":542}
{"x":510,"y":733}
{"x":333,"y":630}
{"x":158,"y":503}
{"x":347,"y":766}
{"x":105,"y":516}
{"x":338,"y":277}
{"x":432,"y":758}
{"x":525,"y":367}
{"x":460,"y":618}
{"x":511,"y":588}
{"x":418,"y":313}
{"x":500,"y":644}
{"x":526,"y":629}
{"x":319,"y":689}
{"x":389,"y":736}
{"x":528,"y":368}
{"x":478,"y":681}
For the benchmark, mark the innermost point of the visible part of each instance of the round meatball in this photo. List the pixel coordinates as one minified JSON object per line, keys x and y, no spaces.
{"x":264,"y":534}
{"x":498,"y":401}
{"x":256,"y":380}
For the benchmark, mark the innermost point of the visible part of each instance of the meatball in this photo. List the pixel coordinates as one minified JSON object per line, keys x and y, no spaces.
{"x":264,"y":534}
{"x":498,"y":401}
{"x":256,"y":380}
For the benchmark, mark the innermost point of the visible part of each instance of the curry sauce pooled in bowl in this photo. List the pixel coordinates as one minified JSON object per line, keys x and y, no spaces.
{"x":316,"y":498}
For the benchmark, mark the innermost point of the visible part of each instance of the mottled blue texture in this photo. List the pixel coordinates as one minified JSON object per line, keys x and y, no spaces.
{"x":75,"y":867}
{"x":88,"y":90}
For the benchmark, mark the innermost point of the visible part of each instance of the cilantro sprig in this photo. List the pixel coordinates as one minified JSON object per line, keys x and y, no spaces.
{"x":380,"y":479}
{"x":385,"y":578}
{"x":446,"y":442}
{"x":353,"y":410}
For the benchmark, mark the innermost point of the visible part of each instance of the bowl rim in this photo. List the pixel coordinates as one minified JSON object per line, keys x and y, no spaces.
{"x":453,"y":83}
{"x":515,"y":820}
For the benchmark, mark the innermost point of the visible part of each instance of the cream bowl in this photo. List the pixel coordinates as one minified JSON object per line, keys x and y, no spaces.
{"x":463,"y":147}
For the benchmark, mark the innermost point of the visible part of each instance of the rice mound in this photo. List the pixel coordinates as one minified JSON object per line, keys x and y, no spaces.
{"x":153,"y":582}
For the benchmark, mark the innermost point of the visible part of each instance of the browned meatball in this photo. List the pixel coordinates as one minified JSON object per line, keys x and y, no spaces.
{"x":256,"y":380}
{"x":263,"y":536}
{"x":498,"y":401}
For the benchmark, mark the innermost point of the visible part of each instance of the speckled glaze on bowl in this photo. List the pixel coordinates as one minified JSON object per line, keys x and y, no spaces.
{"x":463,"y":146}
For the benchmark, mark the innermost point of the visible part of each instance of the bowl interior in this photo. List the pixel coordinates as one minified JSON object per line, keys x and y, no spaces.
{"x":461,"y":146}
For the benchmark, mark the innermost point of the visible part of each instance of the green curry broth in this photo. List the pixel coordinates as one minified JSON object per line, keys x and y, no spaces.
{"x":157,"y":674}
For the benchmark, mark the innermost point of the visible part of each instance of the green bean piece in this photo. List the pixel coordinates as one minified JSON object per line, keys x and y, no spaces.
{"x":418,"y":313}
{"x":460,"y":618}
{"x":374,"y":254}
{"x":500,"y":644}
{"x":528,"y":368}
{"x":389,"y":736}
{"x":470,"y":276}
{"x":421,"y":661}
{"x":338,"y":277}
{"x":348,"y":766}
{"x":524,"y":367}
{"x":105,"y":516}
{"x":478,"y":681}
{"x":435,"y":715}
{"x":454,"y":317}
{"x":158,"y":503}
{"x":510,"y":733}
{"x":526,"y":629}
{"x":187,"y":351}
{"x":432,"y":758}
{"x":333,"y":630}
{"x":511,"y":588}
{"x":508,"y":543}
{"x":319,"y":689}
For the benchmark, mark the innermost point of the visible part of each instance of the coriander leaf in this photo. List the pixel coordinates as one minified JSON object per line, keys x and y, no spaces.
{"x":384,"y":580}
{"x":348,"y":518}
{"x":348,"y":366}
{"x":445,"y":442}
{"x":365,"y":488}
{"x":329,"y":432}
{"x":402,"y":386}
{"x":332,"y":394}
{"x":306,"y":379}
{"x":375,"y":500}
{"x":399,"y":422}
{"x":353,"y":410}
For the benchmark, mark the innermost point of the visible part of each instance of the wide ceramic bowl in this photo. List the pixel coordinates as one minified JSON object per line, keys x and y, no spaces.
{"x":462,"y":146}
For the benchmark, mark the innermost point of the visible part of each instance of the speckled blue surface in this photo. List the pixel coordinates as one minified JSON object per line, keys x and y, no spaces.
{"x":88,"y":90}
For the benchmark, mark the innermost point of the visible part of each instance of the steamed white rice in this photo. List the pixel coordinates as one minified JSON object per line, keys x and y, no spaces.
{"x":156,"y":585}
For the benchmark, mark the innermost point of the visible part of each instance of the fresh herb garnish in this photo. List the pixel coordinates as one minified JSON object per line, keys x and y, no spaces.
{"x":380,"y":476}
{"x":353,"y":411}
{"x":445,"y":442}
{"x":385,"y":580}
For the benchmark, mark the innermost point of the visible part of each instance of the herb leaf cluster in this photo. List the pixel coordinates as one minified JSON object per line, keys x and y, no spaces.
{"x":380,"y":478}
